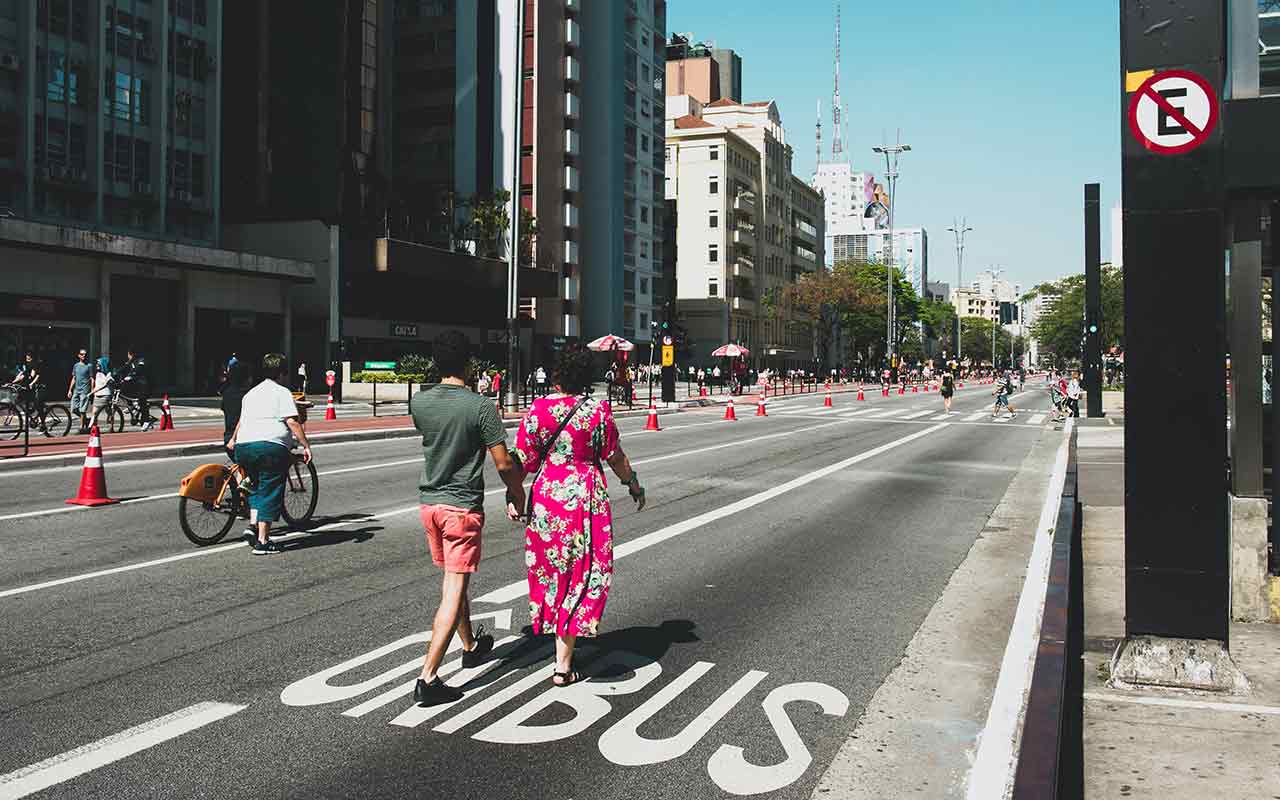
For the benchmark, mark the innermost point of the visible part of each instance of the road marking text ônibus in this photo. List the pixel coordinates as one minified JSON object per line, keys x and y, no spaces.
{"x":615,"y":673}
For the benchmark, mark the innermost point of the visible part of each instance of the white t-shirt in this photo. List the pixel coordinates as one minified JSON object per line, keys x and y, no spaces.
{"x":262,"y":414}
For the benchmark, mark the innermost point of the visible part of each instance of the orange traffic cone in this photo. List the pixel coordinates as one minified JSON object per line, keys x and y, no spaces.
{"x":166,"y":416}
{"x":329,"y":411}
{"x":93,"y":478}
{"x":826,"y":401}
{"x":702,"y":391}
{"x":729,"y":413}
{"x":760,"y":409}
{"x":861,"y":396}
{"x":886,"y":391}
{"x":915,"y":389}
{"x":902,"y":389}
{"x":651,"y":424}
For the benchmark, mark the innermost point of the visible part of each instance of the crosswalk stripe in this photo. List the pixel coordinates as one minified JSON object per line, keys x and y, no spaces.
{"x":882,"y":414}
{"x":1037,"y":419}
{"x":939,"y":417}
{"x":856,"y":413}
{"x":976,"y":417}
{"x":913,"y":415}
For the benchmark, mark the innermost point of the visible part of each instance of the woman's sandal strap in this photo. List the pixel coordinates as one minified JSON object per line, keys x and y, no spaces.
{"x":568,"y":678}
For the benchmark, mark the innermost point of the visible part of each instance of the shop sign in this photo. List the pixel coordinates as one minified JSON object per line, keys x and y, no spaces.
{"x":379,"y":365}
{"x":404,"y":330}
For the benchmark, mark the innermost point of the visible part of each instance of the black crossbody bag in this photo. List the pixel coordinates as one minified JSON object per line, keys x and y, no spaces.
{"x":542,"y":456}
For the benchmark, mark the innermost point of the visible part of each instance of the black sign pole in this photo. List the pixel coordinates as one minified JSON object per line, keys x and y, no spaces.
{"x":1177,"y":578}
{"x":1093,"y":299}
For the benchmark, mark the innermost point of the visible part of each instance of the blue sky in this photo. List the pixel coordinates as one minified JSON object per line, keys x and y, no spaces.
{"x":1010,"y":108}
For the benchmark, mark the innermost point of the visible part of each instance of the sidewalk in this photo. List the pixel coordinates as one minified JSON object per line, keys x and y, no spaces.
{"x":1162,"y":744}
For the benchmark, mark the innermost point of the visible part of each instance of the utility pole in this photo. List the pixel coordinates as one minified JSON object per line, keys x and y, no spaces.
{"x":959,"y":228}
{"x":512,"y":383}
{"x":891,"y":154}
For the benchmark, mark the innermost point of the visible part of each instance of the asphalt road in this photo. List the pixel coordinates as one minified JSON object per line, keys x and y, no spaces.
{"x":782,"y":567}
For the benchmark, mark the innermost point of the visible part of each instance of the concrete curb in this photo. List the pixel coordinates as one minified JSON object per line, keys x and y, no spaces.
{"x":61,"y":460}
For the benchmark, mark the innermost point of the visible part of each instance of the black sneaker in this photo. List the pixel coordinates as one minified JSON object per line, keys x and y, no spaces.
{"x":475,"y":656}
{"x":267,"y":548}
{"x":435,"y":693}
{"x":250,"y":536}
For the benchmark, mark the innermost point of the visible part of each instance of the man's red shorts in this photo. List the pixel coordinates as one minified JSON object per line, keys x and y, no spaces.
{"x":453,"y":534}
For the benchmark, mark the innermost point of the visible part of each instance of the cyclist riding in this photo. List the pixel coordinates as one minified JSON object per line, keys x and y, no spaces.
{"x":135,"y":385}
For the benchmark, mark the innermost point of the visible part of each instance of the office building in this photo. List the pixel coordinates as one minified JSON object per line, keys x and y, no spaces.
{"x":746,"y":228}
{"x":111,"y":188}
{"x":910,"y":253}
{"x":703,"y":71}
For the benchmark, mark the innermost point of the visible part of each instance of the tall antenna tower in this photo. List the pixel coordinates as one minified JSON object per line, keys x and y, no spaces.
{"x":817,"y":139}
{"x":837,"y":146}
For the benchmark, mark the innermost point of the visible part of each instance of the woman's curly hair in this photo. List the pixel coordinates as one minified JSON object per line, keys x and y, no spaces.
{"x":575,"y":370}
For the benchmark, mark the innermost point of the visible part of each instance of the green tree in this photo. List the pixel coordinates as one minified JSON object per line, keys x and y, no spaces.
{"x":939,"y":318}
{"x":1059,"y":329}
{"x":488,"y":222}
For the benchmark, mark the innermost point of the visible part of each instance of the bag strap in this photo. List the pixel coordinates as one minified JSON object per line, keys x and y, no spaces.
{"x":546,"y":450}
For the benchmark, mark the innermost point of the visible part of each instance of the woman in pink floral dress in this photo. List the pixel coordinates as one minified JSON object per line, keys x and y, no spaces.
{"x":569,"y":539}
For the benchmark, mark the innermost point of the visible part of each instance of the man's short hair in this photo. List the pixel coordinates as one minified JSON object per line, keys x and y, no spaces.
{"x":451,"y":352}
{"x":274,"y":366}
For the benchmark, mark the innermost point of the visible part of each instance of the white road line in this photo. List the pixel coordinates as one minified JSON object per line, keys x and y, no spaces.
{"x":1191,"y":705}
{"x":998,"y":744}
{"x":915,"y":414}
{"x":849,"y":414}
{"x":169,"y":495}
{"x":940,"y":417}
{"x":515,"y":589}
{"x":64,"y":767}
{"x":883,"y":414}
{"x":975,"y":417}
{"x":1036,"y":419}
{"x":383,"y":515}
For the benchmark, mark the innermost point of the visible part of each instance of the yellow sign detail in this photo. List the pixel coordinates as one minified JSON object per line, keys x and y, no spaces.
{"x":668,"y":355}
{"x":1133,"y":80}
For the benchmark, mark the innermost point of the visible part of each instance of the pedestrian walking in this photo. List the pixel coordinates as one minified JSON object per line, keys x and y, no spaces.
{"x":100,"y":394}
{"x":540,"y":381}
{"x":563,"y":439}
{"x":947,"y":388}
{"x":80,"y":387}
{"x":458,"y":427}
{"x":302,"y":377}
{"x":1073,"y":394}
{"x":262,"y":444}
{"x":1004,"y":388}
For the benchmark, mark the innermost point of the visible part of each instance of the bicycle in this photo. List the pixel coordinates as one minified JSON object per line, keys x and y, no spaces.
{"x":12,"y":421}
{"x":116,"y":408}
{"x":213,"y":496}
{"x":51,"y":419}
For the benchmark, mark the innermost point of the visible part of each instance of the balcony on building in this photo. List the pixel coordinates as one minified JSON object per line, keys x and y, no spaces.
{"x":745,"y":202}
{"x":807,"y":255}
{"x":570,"y":215}
{"x":570,"y":179}
{"x":743,"y":268}
{"x":573,"y":5}
{"x":570,"y":327}
{"x":572,"y":106}
{"x":572,"y":142}
{"x":744,"y":240}
{"x":571,"y":252}
{"x":806,"y":230}
{"x":572,"y":71}
{"x":572,"y":33}
{"x":570,"y":286}
{"x":742,"y":304}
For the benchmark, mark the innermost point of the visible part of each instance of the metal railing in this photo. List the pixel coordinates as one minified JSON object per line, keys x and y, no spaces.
{"x":1051,"y":758}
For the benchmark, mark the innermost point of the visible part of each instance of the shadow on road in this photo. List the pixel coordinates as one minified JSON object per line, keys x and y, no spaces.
{"x":334,"y":537}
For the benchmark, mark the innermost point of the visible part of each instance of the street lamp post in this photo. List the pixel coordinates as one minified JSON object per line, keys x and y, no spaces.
{"x":995,"y":273}
{"x":959,"y":229}
{"x":891,"y":154}
{"x":512,"y":401}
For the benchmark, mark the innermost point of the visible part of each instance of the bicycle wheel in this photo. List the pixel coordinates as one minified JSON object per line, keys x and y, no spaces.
{"x":205,"y":523}
{"x":11,"y":421}
{"x":56,"y":421}
{"x":112,"y":417}
{"x":301,"y":491}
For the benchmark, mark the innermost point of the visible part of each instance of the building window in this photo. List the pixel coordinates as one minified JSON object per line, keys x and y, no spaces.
{"x":713,"y":287}
{"x":668,"y":155}
{"x":644,"y":320}
{"x":644,"y":108}
{"x":644,"y":286}
{"x":713,"y":253}
{"x":644,"y":213}
{"x":127,"y":97}
{"x":644,"y":143}
{"x":713,"y":221}
{"x":715,"y":153}
{"x":714,"y":186}
{"x":644,"y":249}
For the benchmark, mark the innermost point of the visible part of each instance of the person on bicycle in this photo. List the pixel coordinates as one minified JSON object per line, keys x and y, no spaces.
{"x":79,"y":388}
{"x":263,"y":442}
{"x":1004,"y":388}
{"x":28,"y":372}
{"x":135,"y":385}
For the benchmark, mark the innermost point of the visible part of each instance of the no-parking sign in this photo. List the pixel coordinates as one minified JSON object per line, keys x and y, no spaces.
{"x":1173,"y":112}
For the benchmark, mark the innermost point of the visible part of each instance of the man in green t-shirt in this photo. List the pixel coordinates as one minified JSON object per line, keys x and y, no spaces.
{"x":458,"y":426}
